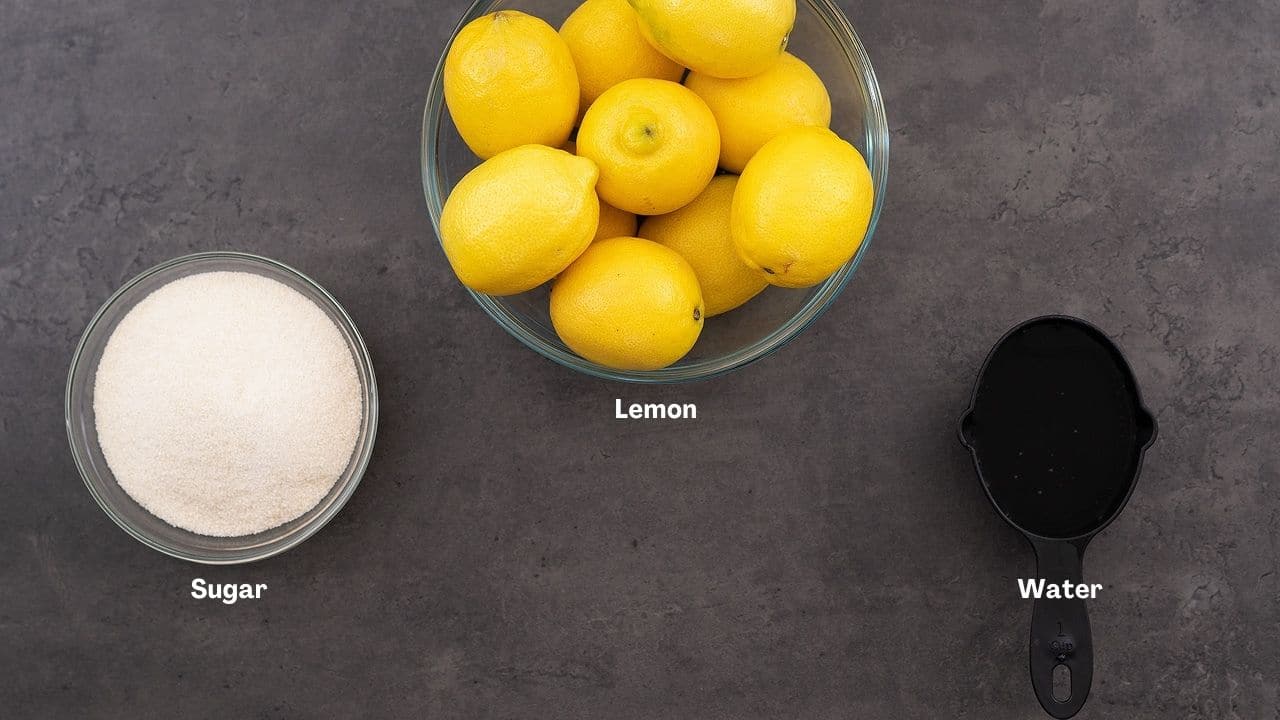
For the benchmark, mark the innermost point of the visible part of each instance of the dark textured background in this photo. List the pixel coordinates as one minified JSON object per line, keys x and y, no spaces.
{"x":815,"y":546}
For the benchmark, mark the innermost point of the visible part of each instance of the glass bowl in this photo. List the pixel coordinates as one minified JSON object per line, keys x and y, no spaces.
{"x":823,"y":38}
{"x":122,"y":508}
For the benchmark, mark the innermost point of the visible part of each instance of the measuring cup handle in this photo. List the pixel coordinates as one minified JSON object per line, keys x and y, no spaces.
{"x":1060,"y":635}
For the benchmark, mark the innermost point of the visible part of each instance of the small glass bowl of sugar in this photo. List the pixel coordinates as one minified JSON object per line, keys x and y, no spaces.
{"x":221,"y":407}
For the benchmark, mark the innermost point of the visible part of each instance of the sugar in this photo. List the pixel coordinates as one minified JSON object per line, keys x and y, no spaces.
{"x":227,"y":403}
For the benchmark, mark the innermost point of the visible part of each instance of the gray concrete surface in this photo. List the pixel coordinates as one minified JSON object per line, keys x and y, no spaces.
{"x":815,"y":545}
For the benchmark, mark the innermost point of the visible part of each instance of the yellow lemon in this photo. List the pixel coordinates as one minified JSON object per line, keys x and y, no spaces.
{"x":615,"y":223}
{"x":728,"y":38}
{"x":518,"y":219}
{"x":509,"y":80}
{"x":628,"y":304}
{"x":802,"y":207}
{"x":607,"y":46}
{"x":699,"y":231}
{"x":752,"y":111}
{"x":655,"y":142}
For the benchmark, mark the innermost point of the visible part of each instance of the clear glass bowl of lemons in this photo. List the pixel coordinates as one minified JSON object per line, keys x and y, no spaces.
{"x":654,"y":190}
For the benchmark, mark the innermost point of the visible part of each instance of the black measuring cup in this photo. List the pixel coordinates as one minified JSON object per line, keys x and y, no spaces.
{"x":1057,"y":431}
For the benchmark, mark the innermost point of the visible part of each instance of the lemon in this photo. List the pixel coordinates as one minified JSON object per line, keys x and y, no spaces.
{"x":607,"y":47}
{"x":752,"y":111}
{"x":518,"y":219}
{"x":628,"y":304}
{"x":802,"y":207}
{"x":509,"y":80}
{"x":699,"y":231}
{"x":728,"y":38}
{"x":615,"y":223}
{"x":656,"y":144}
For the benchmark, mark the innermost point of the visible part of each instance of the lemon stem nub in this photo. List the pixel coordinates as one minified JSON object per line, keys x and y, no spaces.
{"x":642,"y":135}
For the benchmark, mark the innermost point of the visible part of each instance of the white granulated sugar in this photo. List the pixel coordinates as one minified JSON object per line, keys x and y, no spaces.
{"x":227,"y":403}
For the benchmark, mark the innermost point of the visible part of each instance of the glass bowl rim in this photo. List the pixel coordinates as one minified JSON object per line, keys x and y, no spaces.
{"x":876,"y":130}
{"x":361,"y":456}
